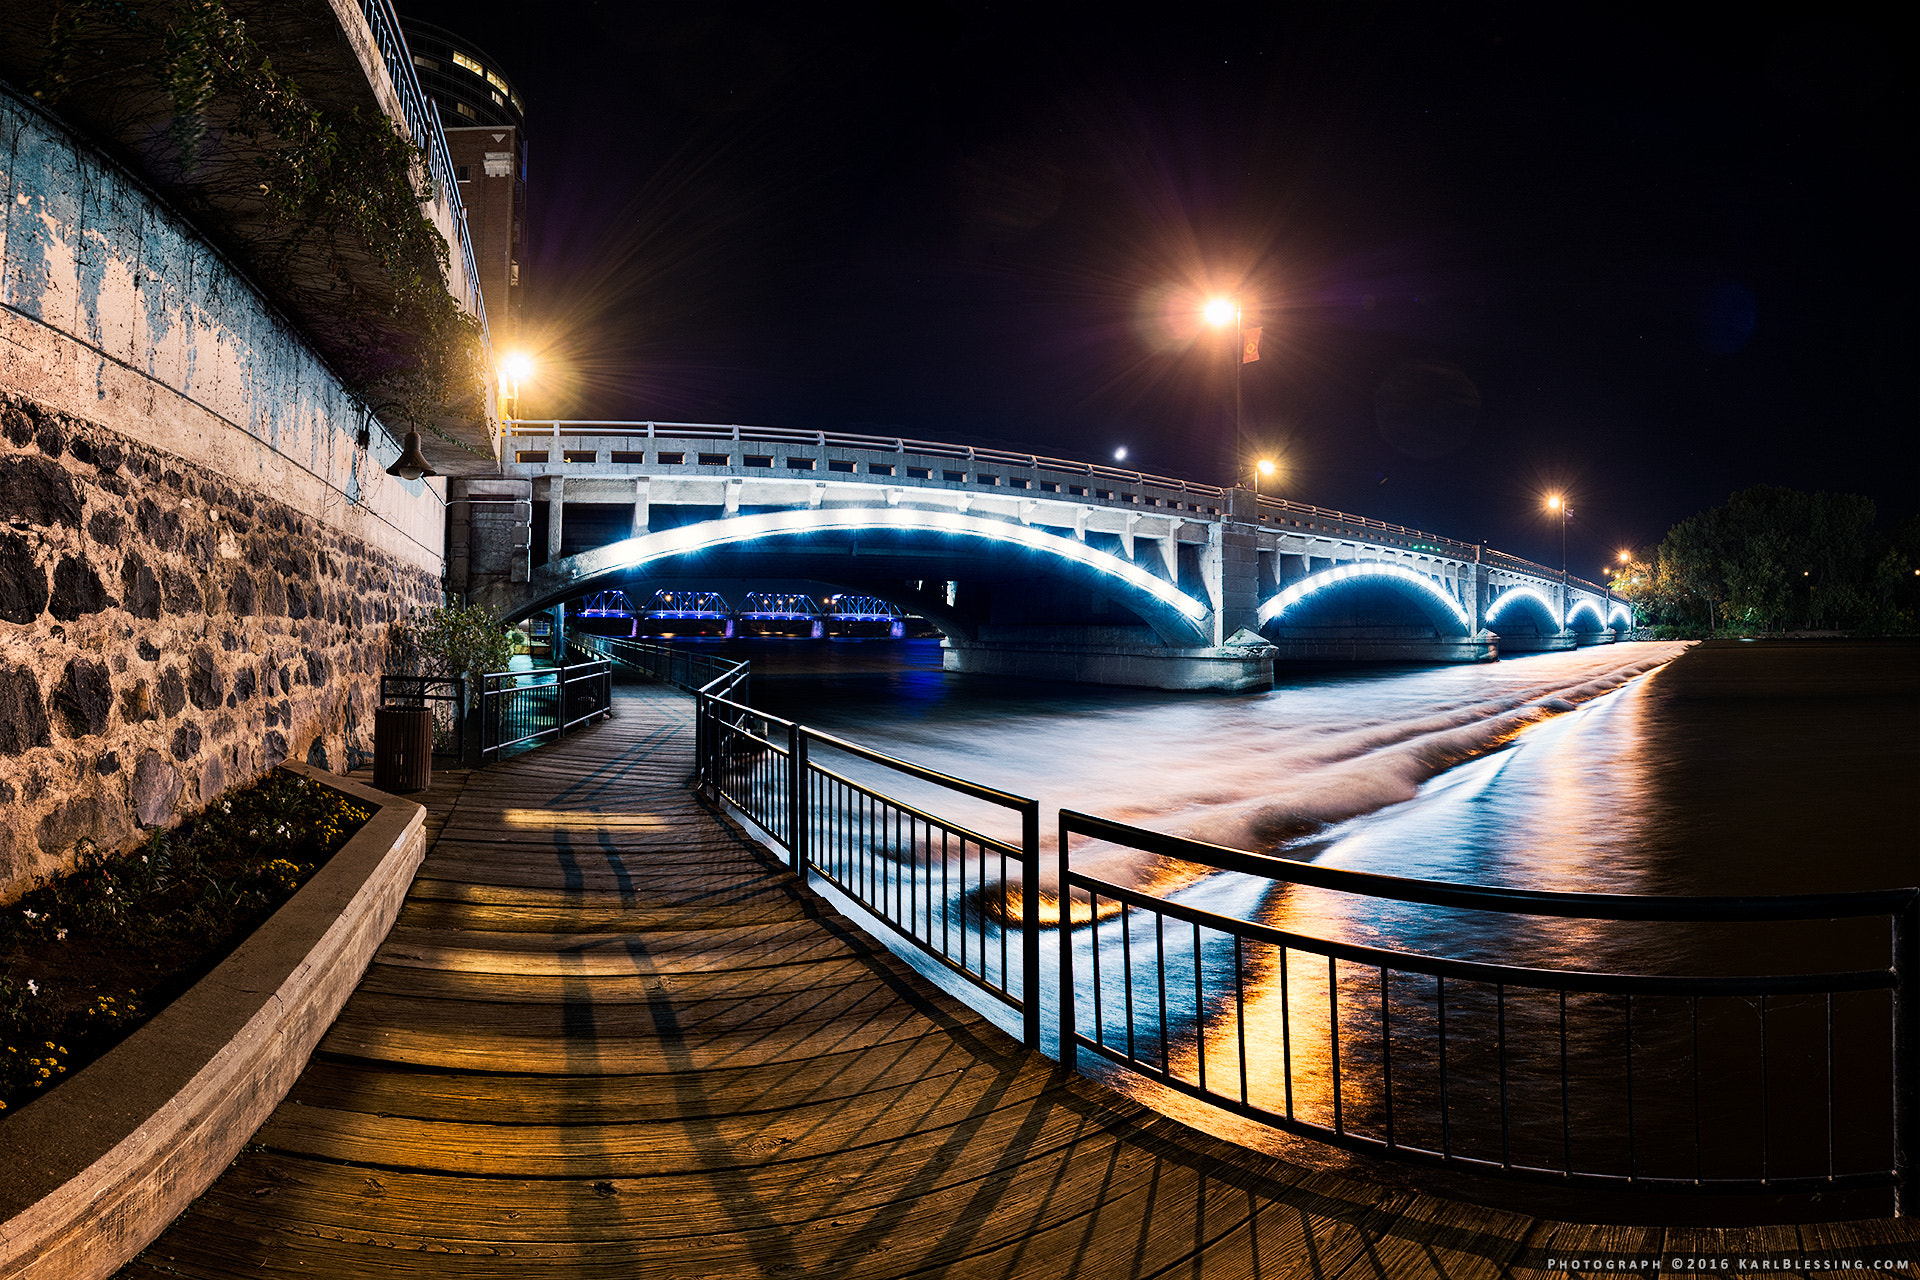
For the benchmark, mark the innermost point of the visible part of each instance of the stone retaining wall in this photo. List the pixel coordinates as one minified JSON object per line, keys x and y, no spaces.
{"x":166,"y":633}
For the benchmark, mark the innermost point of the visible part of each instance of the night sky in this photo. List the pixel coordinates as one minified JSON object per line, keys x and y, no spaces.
{"x":1494,"y":252}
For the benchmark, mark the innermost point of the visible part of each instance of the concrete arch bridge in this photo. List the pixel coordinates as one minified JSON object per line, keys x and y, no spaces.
{"x":1028,"y":565}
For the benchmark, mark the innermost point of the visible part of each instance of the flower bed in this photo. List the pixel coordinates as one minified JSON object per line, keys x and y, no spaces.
{"x":86,"y":958}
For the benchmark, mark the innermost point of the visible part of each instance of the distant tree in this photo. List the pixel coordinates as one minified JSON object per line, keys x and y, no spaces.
{"x":1772,"y":558}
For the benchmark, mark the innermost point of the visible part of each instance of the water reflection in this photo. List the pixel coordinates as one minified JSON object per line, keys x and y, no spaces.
{"x":1756,"y":769}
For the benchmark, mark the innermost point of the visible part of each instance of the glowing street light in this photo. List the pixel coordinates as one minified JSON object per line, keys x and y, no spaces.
{"x":1264,"y":467}
{"x":1219,"y":312}
{"x":1557,"y":503}
{"x":1120,"y":454}
{"x":514,"y":366}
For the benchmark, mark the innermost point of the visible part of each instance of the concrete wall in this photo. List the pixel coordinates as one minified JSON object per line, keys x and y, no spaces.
{"x":198,"y":560}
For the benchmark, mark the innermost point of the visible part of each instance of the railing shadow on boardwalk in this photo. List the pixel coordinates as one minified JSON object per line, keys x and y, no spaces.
{"x":611,"y":1034}
{"x":1567,"y":1077}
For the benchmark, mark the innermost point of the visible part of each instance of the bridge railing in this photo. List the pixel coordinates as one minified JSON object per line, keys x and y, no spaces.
{"x":1689,"y":1082}
{"x":422,"y":118}
{"x":1269,"y":510}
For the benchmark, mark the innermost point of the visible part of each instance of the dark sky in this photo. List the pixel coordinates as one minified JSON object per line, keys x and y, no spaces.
{"x":1493,"y":251}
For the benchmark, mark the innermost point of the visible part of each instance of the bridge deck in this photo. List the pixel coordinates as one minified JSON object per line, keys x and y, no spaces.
{"x":610,"y":1036}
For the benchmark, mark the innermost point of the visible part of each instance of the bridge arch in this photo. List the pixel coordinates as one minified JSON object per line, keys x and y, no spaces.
{"x":1178,"y":618}
{"x":1520,"y":606}
{"x":1620,"y":617}
{"x":1590,"y":609}
{"x":1441,"y":609}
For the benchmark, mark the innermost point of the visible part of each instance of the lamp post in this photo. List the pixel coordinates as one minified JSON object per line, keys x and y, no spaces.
{"x":1264,"y":467}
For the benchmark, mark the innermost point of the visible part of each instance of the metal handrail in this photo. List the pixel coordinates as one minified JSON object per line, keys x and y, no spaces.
{"x":1305,"y":514}
{"x":527,"y":708}
{"x":761,"y":765}
{"x":1148,"y":1052}
{"x":1534,"y":902}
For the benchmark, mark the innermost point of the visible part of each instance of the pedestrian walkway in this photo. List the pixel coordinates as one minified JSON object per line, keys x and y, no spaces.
{"x":611,"y":1036}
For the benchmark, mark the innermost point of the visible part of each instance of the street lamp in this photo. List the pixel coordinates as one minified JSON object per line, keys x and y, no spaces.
{"x":1220,"y":312}
{"x":514,"y":366}
{"x":1264,"y":467}
{"x":1559,"y":504}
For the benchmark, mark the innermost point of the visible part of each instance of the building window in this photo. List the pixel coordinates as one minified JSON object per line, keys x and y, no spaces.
{"x":757,"y":460}
{"x":799,"y":464}
{"x":513,"y":274}
{"x":879,"y":468}
{"x":462,"y":108}
{"x":672,"y":459}
{"x":463,"y":173}
{"x":714,"y":460}
{"x":498,"y":101}
{"x":426,"y":64}
{"x":839,"y":464}
{"x":462,"y":60}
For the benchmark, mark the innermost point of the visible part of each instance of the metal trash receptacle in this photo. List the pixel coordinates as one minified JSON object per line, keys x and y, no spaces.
{"x":403,"y":749}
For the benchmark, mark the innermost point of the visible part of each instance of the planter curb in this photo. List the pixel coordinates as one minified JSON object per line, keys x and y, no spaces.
{"x":96,"y":1170}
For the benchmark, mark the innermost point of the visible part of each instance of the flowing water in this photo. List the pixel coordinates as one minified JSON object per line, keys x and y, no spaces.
{"x":1726,"y":768}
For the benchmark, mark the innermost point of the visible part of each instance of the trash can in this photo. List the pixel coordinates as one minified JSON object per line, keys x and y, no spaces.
{"x":402,"y":749}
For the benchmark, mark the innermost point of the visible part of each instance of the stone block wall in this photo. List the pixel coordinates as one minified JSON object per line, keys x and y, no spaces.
{"x":200,"y":547}
{"x":166,"y":633}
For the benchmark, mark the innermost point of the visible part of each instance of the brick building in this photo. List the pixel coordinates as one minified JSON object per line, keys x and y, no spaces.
{"x":482,"y":115}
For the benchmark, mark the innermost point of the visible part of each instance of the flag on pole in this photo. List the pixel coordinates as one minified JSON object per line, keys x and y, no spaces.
{"x":1250,"y":351}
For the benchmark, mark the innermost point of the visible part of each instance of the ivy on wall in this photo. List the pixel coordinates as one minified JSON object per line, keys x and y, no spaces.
{"x":322,"y":203}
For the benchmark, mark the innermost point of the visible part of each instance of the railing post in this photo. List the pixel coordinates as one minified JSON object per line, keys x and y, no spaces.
{"x":1906,"y":1060}
{"x":1030,"y":923}
{"x":1069,"y":1047}
{"x":797,"y":816}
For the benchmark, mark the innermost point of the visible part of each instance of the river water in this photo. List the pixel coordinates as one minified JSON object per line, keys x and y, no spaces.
{"x":1725,"y":768}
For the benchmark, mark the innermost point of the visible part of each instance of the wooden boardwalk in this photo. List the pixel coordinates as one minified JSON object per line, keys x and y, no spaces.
{"x":610,"y":1036}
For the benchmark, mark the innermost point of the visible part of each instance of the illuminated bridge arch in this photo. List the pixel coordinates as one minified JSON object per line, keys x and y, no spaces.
{"x":1620,"y":617}
{"x":1178,"y":618}
{"x":1587,"y":607}
{"x":1517,"y":602}
{"x":1441,"y":608}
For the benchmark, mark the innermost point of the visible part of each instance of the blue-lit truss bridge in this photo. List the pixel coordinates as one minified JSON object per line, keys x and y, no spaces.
{"x":1028,"y":565}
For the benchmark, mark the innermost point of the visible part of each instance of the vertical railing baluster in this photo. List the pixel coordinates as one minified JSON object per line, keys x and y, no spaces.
{"x":1099,"y":1015}
{"x":1830,"y":1084}
{"x":1333,"y":1038}
{"x":1160,"y":980}
{"x":1126,"y":969}
{"x":1906,"y":1059}
{"x":1069,"y":1047}
{"x":1633,"y":1167}
{"x":1766,"y":1116}
{"x":1440,"y":1012}
{"x":1199,"y":1011}
{"x":1286,"y":1032}
{"x":1506,"y":1125}
{"x":1566,"y":1098}
{"x":1386,"y":1055}
{"x":1240,"y":1011}
{"x":1699,"y":1145}
{"x":1030,"y":919}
